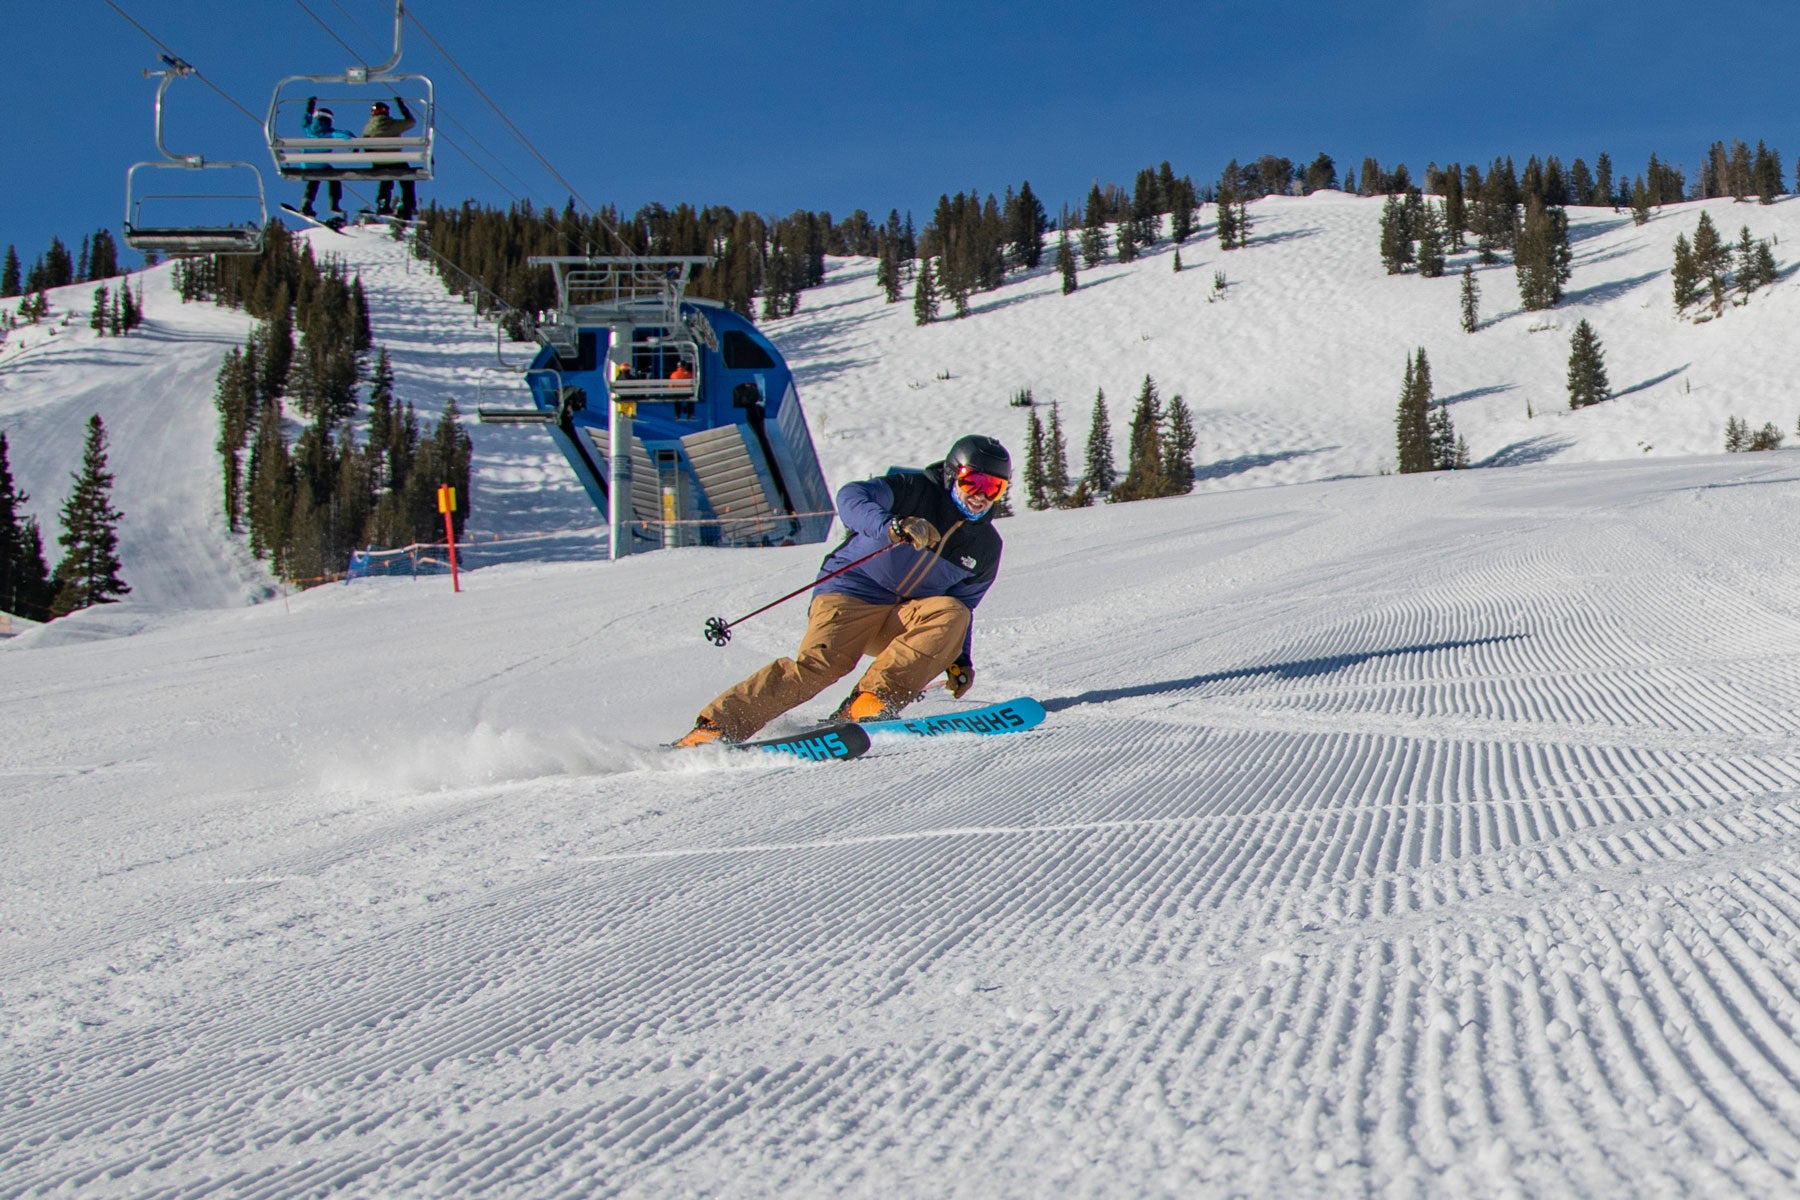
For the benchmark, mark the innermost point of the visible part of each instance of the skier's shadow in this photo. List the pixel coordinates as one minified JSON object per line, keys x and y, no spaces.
{"x":1303,"y":669}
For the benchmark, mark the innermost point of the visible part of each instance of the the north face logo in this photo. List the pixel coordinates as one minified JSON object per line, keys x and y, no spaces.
{"x":968,"y":562}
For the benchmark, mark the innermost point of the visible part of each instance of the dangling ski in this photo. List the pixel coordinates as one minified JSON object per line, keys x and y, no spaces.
{"x":1009,"y":716}
{"x":336,"y":224}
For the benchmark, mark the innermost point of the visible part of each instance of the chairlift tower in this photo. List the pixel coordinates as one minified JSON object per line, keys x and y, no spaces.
{"x":701,"y":439}
{"x":622,"y":294}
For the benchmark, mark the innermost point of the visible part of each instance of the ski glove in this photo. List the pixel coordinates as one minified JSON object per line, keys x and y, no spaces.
{"x":959,"y":677}
{"x":917,"y":531}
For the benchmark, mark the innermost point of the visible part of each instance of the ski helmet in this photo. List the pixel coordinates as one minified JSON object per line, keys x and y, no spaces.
{"x":976,"y":453}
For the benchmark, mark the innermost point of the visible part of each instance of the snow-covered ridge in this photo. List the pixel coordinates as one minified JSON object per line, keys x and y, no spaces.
{"x":1293,"y":371}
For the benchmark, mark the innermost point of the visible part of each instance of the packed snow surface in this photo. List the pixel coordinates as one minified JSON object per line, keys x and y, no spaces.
{"x":1396,"y":835}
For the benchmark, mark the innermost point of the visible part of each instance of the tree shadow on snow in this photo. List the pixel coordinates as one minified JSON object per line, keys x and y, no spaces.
{"x":1611,"y":291}
{"x":1302,"y":669}
{"x":1650,"y":383}
{"x":1478,"y":393}
{"x":1286,"y":235}
{"x":1250,"y":462}
{"x":1531,"y":450}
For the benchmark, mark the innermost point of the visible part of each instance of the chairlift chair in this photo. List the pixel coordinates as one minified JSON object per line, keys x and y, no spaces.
{"x":398,"y":158}
{"x":190,"y":237}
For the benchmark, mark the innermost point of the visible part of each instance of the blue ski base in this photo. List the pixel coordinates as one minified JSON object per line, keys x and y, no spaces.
{"x":1009,"y":716}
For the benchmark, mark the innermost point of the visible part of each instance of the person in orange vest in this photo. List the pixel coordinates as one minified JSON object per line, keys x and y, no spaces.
{"x":684,"y":408}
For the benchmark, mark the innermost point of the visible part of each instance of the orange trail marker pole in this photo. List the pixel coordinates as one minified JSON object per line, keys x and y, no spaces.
{"x":447,"y":506}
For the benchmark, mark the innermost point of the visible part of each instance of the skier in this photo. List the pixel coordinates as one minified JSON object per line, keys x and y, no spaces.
{"x":382,"y":124}
{"x":318,"y":124}
{"x":910,"y":608}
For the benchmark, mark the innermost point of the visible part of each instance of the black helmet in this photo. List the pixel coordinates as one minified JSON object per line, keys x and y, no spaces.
{"x":978,"y":452}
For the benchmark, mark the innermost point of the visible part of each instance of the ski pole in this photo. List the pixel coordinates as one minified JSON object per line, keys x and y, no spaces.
{"x":718,"y":629}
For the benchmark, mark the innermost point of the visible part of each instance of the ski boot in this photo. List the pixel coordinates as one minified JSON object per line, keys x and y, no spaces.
{"x":704,"y":733}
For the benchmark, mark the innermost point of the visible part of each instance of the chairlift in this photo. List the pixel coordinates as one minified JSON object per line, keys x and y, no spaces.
{"x":147,"y":226}
{"x":404,"y":158}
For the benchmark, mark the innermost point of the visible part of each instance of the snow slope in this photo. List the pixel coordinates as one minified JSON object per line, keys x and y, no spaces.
{"x":1423,"y":835}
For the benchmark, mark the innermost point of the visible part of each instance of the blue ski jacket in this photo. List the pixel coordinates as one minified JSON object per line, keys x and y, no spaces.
{"x":963,"y":566}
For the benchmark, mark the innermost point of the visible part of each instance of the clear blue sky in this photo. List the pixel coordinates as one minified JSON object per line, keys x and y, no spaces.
{"x":804,"y":104}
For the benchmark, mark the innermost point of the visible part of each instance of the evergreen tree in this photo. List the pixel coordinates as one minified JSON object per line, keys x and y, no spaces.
{"x":1065,"y":263}
{"x":1712,"y":258}
{"x":235,"y":398}
{"x":1766,"y":174}
{"x":1640,"y":201}
{"x":1737,"y":435}
{"x":102,"y":305}
{"x":1321,"y":175}
{"x":24,"y":579}
{"x":1747,"y":281}
{"x":103,"y":256}
{"x":1763,"y":265}
{"x":1036,"y":495}
{"x":1587,"y":368}
{"x":271,"y":489}
{"x":1581,"y":184}
{"x":887,"y":271}
{"x":1179,"y":440}
{"x":1538,"y":258}
{"x":384,"y":469}
{"x":1093,"y":229}
{"x":1145,"y":473}
{"x":1027,"y":225}
{"x":131,"y":308}
{"x":1126,"y":243}
{"x":1603,"y":181}
{"x":1471,"y":300}
{"x":1182,"y":201}
{"x":1448,"y":452}
{"x":1685,"y":275}
{"x":1056,"y":459}
{"x":1227,"y":221}
{"x":1100,"y":473}
{"x":11,"y":283}
{"x":1431,"y":243}
{"x":1413,"y":421}
{"x":59,"y":267}
{"x":88,"y":573}
{"x":1146,"y":208}
{"x":1396,"y":236}
{"x":925,"y":295}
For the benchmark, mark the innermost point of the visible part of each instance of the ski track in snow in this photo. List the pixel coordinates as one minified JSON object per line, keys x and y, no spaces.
{"x":1423,"y":836}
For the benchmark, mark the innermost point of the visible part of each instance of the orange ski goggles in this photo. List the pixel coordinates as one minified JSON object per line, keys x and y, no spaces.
{"x":980,"y":483}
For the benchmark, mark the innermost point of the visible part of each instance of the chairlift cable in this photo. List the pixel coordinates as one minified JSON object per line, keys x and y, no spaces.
{"x":451,"y":142}
{"x":498,"y":162}
{"x":517,"y":132}
{"x":348,"y":16}
{"x":329,"y":31}
{"x":176,"y":58}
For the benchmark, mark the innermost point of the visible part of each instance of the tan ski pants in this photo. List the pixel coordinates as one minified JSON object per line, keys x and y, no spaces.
{"x":910,"y":641}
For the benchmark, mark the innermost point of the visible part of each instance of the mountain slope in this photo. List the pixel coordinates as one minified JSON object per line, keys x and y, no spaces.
{"x":1422,"y":835}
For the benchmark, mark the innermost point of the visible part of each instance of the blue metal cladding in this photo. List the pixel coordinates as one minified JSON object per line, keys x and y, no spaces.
{"x":744,"y":382}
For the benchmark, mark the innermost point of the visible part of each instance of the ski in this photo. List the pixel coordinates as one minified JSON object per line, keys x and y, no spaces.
{"x":1009,"y":716}
{"x":336,"y":225}
{"x":836,"y":742}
